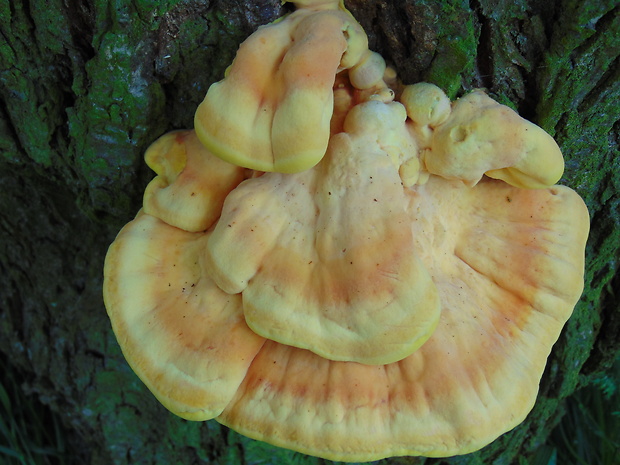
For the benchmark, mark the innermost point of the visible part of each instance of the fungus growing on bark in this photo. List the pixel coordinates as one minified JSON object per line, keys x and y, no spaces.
{"x":392,"y":286}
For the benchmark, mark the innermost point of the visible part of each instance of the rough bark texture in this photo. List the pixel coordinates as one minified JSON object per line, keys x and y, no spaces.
{"x":85,"y":86}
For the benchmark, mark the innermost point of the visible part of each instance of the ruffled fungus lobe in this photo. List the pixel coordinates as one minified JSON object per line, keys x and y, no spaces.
{"x":335,"y":255}
{"x":191,"y":184}
{"x":391,"y":286}
{"x":272,"y":111}
{"x":480,"y":136}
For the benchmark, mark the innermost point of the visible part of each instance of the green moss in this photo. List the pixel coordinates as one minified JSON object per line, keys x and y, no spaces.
{"x":150,"y":12}
{"x":580,"y":53}
{"x":503,"y":39}
{"x":9,"y":152}
{"x":109,"y":123}
{"x":203,"y":47}
{"x":28,"y":80}
{"x":580,"y":85}
{"x":124,"y":104}
{"x":457,"y":39}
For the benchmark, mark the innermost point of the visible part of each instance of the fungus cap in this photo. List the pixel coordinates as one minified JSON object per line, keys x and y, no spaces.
{"x":477,"y":376}
{"x":426,"y":104}
{"x":183,"y":336}
{"x":191,"y":184}
{"x":328,"y":262}
{"x":272,"y":111}
{"x":482,"y":136}
{"x":368,"y":72}
{"x":474,"y":378}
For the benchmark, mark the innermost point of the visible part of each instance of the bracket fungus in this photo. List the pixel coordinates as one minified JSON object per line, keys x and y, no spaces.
{"x":346,"y":266}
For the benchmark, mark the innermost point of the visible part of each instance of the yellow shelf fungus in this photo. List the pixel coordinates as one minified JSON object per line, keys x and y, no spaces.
{"x":343,"y":266}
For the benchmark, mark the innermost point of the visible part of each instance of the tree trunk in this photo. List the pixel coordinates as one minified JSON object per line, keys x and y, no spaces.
{"x":86,"y":86}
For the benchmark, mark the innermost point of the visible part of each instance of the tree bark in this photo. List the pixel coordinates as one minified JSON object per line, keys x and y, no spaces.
{"x":86,"y":86}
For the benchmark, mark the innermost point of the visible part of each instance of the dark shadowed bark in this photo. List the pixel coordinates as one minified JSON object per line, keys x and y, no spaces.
{"x":85,"y":86}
